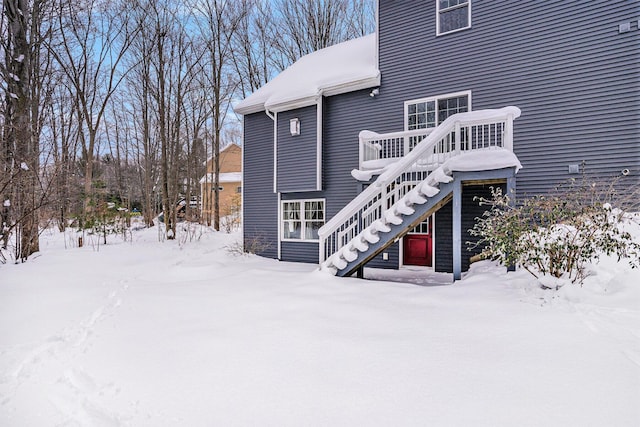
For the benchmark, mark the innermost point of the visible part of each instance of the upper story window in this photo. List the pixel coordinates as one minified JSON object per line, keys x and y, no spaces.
{"x":452,"y":15}
{"x":430,"y":112}
{"x":301,"y":219}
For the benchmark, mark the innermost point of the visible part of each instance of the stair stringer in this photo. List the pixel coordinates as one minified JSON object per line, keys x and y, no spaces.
{"x":433,"y":204}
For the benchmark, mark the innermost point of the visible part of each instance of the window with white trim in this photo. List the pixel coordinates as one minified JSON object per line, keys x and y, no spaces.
{"x":423,"y":228}
{"x":301,"y":219}
{"x":452,"y":15}
{"x":430,"y":112}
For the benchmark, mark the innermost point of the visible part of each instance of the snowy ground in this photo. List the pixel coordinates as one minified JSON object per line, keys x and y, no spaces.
{"x":145,"y":333}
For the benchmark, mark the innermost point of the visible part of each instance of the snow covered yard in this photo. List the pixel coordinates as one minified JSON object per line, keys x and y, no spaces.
{"x":170,"y":334}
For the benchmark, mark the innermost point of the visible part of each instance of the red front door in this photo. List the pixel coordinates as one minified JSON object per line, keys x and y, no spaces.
{"x":417,"y":249}
{"x":418,"y":245}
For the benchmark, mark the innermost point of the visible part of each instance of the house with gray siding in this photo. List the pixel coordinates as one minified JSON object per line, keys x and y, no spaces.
{"x":371,"y":152}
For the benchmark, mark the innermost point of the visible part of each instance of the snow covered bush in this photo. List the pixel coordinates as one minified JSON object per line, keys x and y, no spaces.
{"x":555,"y":235}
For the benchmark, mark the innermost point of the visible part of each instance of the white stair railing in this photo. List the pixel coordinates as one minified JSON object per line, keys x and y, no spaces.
{"x":474,"y":130}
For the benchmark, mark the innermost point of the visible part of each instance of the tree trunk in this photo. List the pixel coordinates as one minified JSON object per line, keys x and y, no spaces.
{"x":167,"y":208}
{"x":21,"y":147}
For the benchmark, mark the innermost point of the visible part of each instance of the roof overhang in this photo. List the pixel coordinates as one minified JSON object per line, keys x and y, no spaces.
{"x":342,"y":68}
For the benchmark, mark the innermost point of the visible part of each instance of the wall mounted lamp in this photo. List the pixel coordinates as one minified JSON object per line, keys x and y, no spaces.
{"x":294,"y":126}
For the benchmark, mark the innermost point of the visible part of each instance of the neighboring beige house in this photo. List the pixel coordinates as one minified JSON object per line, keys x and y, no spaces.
{"x":230,"y":182}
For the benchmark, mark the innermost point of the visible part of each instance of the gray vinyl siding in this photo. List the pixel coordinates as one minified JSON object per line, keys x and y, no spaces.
{"x":260,"y":203}
{"x":344,"y":116}
{"x":563,"y":63}
{"x":298,"y":155}
{"x":393,"y":261}
{"x":471,"y":210}
{"x":442,"y":241}
{"x":299,"y":252}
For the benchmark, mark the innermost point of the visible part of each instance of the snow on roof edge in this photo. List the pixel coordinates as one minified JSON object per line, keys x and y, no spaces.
{"x":295,"y":102}
{"x":341,"y":68}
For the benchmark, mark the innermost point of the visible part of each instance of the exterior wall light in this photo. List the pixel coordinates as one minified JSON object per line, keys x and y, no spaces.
{"x":294,"y":126}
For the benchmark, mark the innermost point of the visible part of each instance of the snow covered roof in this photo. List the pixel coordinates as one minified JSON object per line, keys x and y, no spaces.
{"x":224,"y":177}
{"x":344,"y":67}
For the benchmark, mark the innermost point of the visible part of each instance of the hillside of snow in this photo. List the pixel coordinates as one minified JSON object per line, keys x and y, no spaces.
{"x":184,"y":333}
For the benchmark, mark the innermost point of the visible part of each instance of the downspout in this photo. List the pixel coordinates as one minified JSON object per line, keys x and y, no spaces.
{"x":319,"y":142}
{"x":274,"y":116}
{"x":377,"y":53}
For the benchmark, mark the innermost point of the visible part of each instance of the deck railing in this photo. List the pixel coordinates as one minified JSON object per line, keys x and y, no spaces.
{"x":375,"y":148}
{"x":416,"y":154}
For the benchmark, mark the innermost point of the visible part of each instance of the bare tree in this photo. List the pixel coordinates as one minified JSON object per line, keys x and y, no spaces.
{"x":94,"y":37}
{"x":139,"y":87}
{"x":63,"y":131}
{"x":362,"y":18}
{"x":121,"y":176}
{"x":218,"y":21}
{"x":196,"y":114}
{"x":253,"y":48}
{"x":22,"y":72}
{"x":305,"y":26}
{"x":173,"y":64}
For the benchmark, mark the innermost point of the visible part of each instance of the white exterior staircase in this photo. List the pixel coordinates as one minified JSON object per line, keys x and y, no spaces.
{"x":414,"y":181}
